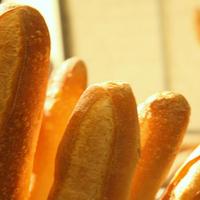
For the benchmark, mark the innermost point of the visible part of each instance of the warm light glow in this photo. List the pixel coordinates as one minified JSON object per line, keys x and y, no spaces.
{"x":32,"y":182}
{"x":50,"y":99}
{"x":188,"y":183}
{"x":194,"y":154}
{"x":38,"y":4}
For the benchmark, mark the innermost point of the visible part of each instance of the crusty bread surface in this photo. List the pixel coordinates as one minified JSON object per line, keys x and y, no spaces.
{"x":24,"y":69}
{"x":185,"y":183}
{"x":163,"y":121}
{"x":65,"y":87}
{"x":100,"y":148}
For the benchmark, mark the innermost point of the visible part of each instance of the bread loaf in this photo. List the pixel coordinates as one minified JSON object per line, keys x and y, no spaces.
{"x":100,"y":148}
{"x":24,"y":69}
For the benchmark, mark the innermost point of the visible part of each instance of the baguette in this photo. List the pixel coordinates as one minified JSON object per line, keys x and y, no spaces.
{"x":24,"y":69}
{"x":99,"y":151}
{"x":185,"y":184}
{"x":66,"y":85}
{"x":163,"y":121}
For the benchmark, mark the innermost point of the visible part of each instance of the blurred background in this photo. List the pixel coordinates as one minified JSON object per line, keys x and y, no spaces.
{"x":152,"y":44}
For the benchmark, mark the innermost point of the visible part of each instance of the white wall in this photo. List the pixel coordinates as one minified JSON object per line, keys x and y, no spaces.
{"x":151,"y":44}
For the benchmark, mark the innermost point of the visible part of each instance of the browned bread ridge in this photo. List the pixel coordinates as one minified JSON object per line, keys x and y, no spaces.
{"x":66,"y":85}
{"x":24,"y":69}
{"x":99,"y":151}
{"x":163,"y":121}
{"x":185,"y":184}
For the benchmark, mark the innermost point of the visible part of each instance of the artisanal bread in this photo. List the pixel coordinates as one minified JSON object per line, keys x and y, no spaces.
{"x":66,"y":85}
{"x":163,"y":121}
{"x":185,"y":184}
{"x":99,"y":151}
{"x":24,"y":69}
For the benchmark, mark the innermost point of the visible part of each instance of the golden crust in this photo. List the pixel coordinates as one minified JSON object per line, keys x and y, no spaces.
{"x":24,"y":55}
{"x":163,"y":121}
{"x":99,"y":150}
{"x":67,"y":82}
{"x":66,"y":85}
{"x":185,"y":184}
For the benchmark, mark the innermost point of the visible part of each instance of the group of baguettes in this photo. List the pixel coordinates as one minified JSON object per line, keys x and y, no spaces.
{"x":57,"y":146}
